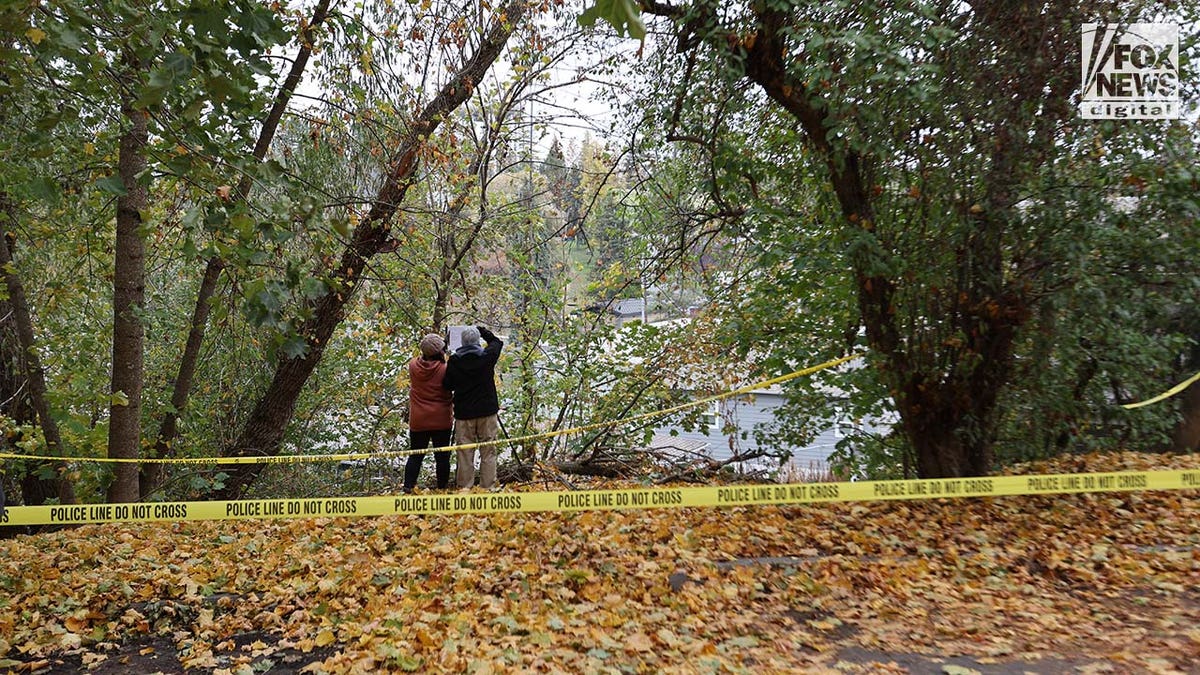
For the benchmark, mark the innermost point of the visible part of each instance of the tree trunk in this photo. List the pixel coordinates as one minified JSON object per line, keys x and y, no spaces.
{"x":946,"y":393}
{"x":1186,"y":437}
{"x":34,"y":378}
{"x":263,"y":432}
{"x":129,"y":286}
{"x":152,"y":474}
{"x":23,"y":384}
{"x":1187,"y":434}
{"x":453,"y":255}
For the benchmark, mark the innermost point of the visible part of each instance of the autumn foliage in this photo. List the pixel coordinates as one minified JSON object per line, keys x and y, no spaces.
{"x":1095,"y":582}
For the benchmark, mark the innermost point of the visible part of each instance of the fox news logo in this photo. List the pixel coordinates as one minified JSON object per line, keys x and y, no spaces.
{"x":1130,"y":72}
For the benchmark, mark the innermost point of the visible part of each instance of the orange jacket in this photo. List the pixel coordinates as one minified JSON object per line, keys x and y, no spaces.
{"x":429,"y":404}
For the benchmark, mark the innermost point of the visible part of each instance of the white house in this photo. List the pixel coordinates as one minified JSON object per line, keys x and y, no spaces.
{"x":728,"y":425}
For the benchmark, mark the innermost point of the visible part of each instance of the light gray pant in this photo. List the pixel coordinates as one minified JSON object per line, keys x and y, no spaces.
{"x":476,"y":430}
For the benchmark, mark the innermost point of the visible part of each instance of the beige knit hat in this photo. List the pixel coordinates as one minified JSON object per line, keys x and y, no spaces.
{"x":432,"y":345}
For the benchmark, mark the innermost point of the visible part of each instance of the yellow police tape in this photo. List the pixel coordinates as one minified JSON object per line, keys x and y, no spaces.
{"x":389,"y":454}
{"x":675,"y":497}
{"x":1166,"y":394}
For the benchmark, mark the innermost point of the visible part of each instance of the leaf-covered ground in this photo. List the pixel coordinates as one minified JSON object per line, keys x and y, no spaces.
{"x":1087,"y":583}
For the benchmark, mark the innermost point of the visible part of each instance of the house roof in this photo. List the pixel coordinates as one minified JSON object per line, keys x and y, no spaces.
{"x":628,"y":307}
{"x":667,"y":442}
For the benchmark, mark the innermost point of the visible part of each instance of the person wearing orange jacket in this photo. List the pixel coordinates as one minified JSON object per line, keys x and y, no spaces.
{"x":430,"y":412}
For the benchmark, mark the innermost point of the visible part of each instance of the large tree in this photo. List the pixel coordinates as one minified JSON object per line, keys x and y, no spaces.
{"x":942,"y":138}
{"x":120,"y":95}
{"x":152,"y":474}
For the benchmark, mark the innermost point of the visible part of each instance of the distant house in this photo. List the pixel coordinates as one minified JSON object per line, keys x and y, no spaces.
{"x":728,"y":426}
{"x":622,"y":311}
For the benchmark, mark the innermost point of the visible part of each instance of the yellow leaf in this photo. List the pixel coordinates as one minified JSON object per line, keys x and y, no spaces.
{"x":201,"y":660}
{"x":325,"y":638}
{"x":426,"y":639}
{"x":828,"y":624}
{"x":639,"y":642}
{"x":70,"y":641}
{"x":35,"y":35}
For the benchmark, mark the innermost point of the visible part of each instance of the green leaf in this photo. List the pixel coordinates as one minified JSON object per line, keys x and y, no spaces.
{"x":295,"y":347}
{"x":341,"y":226}
{"x":44,"y":189}
{"x":112,"y":185}
{"x":742,"y":642}
{"x":623,"y":15}
{"x":176,"y":66}
{"x":69,"y":38}
{"x":408,"y":663}
{"x":313,"y":288}
{"x":152,"y":95}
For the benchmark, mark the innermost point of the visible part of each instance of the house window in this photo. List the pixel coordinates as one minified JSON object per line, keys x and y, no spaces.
{"x":711,"y":418}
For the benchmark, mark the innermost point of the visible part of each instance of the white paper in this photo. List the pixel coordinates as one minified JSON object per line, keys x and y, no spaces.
{"x":455,"y":341}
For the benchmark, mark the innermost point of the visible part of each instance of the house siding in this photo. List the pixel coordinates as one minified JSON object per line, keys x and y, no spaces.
{"x":748,"y":413}
{"x":757,"y":411}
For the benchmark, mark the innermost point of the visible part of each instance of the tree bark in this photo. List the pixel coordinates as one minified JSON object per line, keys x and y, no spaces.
{"x":129,"y":290}
{"x":450,"y":255}
{"x":1186,"y":436}
{"x":34,"y":490}
{"x":453,"y":250}
{"x":152,"y":474}
{"x":263,"y":432}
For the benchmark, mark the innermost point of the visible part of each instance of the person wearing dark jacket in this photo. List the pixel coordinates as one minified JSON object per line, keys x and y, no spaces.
{"x":429,"y":412}
{"x":471,"y":376}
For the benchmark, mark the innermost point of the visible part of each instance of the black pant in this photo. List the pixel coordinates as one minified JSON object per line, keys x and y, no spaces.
{"x":419,"y":440}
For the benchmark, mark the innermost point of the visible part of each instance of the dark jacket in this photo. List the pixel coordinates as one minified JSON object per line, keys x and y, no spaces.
{"x":471,"y":375}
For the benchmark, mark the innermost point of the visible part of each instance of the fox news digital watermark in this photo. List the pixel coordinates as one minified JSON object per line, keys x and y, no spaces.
{"x":1131,"y":72}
